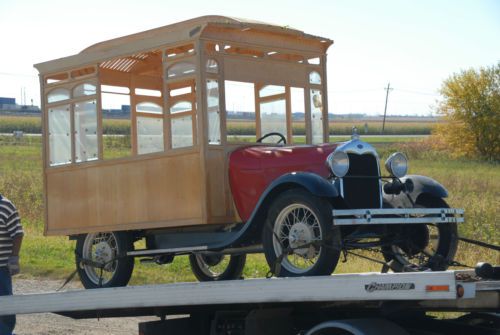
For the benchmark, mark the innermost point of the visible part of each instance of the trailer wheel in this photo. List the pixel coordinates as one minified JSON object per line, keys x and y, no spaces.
{"x":217,"y":267}
{"x":423,"y":246}
{"x":297,"y":218}
{"x":101,"y":259}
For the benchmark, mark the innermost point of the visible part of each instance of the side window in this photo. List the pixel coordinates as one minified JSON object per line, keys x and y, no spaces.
{"x":298,"y":114}
{"x":58,"y":94}
{"x":59,"y":135}
{"x":83,"y":90}
{"x":240,"y":111}
{"x":182,"y":110}
{"x":149,"y":128}
{"x":85,"y":131}
{"x":213,"y":111}
{"x":273,"y":110}
{"x":316,"y":116}
{"x":115,"y":106}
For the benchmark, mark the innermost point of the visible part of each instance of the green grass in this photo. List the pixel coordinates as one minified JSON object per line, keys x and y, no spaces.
{"x":473,"y":185}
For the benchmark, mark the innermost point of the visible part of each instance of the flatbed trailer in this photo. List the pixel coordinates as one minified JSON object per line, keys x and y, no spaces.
{"x":364,"y":304}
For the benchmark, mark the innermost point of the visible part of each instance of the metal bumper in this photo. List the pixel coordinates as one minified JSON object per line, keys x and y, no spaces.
{"x":345,"y":217}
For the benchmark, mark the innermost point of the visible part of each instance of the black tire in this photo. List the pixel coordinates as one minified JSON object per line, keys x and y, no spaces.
{"x":217,"y":267}
{"x":312,"y":221}
{"x":108,"y":249}
{"x":441,"y":256}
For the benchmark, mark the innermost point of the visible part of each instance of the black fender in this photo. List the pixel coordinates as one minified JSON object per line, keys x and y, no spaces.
{"x":251,"y":231}
{"x":421,"y":185}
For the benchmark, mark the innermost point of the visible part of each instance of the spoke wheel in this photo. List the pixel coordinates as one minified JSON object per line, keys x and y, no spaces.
{"x":423,"y":246}
{"x":105,"y":251}
{"x":217,"y":267}
{"x":300,"y":226}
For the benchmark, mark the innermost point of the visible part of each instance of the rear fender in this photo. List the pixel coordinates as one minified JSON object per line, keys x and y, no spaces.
{"x":422,"y":185}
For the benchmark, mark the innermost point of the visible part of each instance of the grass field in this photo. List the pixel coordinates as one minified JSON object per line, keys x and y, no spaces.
{"x":394,"y":126}
{"x":474,"y":186}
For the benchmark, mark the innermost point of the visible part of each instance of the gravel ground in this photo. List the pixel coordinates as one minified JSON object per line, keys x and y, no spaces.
{"x":53,"y":324}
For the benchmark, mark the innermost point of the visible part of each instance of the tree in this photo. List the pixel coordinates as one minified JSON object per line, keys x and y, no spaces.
{"x":471,"y":105}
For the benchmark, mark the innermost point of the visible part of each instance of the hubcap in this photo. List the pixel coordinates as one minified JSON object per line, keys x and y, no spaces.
{"x":297,"y":228}
{"x":101,"y":248}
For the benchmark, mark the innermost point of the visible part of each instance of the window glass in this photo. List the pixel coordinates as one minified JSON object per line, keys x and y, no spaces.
{"x":59,"y":94}
{"x":84,"y":89}
{"x":316,"y":116}
{"x":271,"y":90}
{"x":55,"y":78}
{"x":213,"y":112}
{"x":181,"y":106}
{"x":314,"y":78}
{"x":240,"y":110}
{"x":148,"y":107}
{"x":180,"y":91}
{"x":314,"y":61}
{"x":182,"y":132}
{"x":59,"y":135}
{"x":85,"y":131}
{"x":180,"y":69}
{"x":273,"y":118}
{"x":212,"y":66}
{"x":148,"y":93}
{"x":298,"y":114}
{"x":115,"y":89}
{"x":149,"y":134}
{"x":117,"y":123}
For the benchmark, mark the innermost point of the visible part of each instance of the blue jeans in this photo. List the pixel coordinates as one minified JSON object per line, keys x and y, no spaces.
{"x":7,"y":323}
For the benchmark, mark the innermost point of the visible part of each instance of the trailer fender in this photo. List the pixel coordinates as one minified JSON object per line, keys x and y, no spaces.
{"x":358,"y":327}
{"x":420,"y":185}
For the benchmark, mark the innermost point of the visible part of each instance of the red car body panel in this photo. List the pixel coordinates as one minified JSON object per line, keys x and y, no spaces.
{"x":252,"y":169}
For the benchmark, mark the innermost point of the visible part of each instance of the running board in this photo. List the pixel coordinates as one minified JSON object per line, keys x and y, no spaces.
{"x":151,"y":252}
{"x":345,"y":217}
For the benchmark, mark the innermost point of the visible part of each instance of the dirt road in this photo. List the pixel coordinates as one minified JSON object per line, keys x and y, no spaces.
{"x":52,"y":324}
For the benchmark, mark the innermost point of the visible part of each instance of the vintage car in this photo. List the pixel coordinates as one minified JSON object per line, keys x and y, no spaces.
{"x":187,"y":180}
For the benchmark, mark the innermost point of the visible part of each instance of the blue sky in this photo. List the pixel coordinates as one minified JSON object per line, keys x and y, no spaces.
{"x":414,"y":45}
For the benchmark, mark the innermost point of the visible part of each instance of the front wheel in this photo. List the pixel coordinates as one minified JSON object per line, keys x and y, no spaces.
{"x":217,"y":267}
{"x":299,"y":233}
{"x":101,"y":259}
{"x":423,"y":246}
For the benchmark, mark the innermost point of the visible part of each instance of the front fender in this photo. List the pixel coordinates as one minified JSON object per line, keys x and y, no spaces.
{"x":421,"y":185}
{"x":315,"y":184}
{"x":312,"y":182}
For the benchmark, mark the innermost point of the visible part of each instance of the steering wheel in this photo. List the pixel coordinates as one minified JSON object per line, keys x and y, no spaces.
{"x":282,"y":138}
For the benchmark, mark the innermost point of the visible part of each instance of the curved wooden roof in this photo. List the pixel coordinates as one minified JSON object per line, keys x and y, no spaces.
{"x":170,"y":34}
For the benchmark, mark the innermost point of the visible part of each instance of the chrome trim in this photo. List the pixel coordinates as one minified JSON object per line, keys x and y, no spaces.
{"x":356,"y":146}
{"x":407,"y":216}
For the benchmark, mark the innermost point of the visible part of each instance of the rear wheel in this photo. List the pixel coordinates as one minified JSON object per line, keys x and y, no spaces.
{"x":423,"y":246}
{"x":299,"y":233}
{"x":217,"y":267}
{"x":101,"y":259}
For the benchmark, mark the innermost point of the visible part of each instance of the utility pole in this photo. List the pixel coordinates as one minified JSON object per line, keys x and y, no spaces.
{"x":388,"y":88}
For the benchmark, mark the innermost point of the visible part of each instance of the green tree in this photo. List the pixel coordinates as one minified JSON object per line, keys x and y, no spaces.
{"x":471,"y":105}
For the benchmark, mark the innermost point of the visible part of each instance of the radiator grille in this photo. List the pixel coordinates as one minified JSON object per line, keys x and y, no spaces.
{"x":362,"y":191}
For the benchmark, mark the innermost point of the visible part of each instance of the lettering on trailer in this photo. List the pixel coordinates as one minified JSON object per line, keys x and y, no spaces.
{"x":373,"y":286}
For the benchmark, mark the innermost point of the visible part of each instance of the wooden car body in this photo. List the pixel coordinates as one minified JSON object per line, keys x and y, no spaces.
{"x":178,"y":86}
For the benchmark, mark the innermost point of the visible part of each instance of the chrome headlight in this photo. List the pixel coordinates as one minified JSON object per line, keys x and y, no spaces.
{"x":397,"y":164}
{"x":338,"y":162}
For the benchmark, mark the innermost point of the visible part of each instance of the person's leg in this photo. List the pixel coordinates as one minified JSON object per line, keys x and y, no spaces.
{"x":7,"y":323}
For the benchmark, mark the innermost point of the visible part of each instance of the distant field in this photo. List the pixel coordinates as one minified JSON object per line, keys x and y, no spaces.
{"x":396,"y":126}
{"x":473,"y":185}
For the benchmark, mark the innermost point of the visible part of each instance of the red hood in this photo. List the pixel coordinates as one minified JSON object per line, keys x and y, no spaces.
{"x":253,"y":168}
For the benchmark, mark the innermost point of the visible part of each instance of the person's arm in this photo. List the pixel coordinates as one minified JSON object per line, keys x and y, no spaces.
{"x":16,"y":244}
